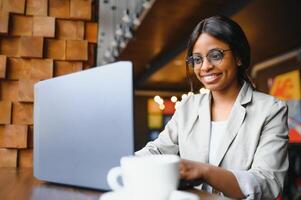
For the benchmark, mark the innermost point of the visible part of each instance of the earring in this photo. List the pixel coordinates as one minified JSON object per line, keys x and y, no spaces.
{"x":238,"y":61}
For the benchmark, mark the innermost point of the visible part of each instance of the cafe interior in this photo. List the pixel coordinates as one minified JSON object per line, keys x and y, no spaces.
{"x":45,"y":39}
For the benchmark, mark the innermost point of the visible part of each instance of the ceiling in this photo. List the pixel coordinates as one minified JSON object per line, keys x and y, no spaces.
{"x":273,"y":27}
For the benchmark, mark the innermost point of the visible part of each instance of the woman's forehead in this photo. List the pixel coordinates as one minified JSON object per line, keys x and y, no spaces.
{"x":206,"y":42}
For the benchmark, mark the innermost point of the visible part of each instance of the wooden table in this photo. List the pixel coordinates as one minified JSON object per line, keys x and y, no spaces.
{"x":19,"y":184}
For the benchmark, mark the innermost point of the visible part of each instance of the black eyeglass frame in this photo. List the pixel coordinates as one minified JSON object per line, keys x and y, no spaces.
{"x":190,"y":59}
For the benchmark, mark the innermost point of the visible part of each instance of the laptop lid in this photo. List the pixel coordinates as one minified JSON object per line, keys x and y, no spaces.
{"x":83,"y":125}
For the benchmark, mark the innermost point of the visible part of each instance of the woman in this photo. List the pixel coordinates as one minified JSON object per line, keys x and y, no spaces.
{"x":233,"y":138}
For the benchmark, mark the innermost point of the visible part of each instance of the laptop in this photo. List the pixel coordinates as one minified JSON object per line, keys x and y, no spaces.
{"x":83,"y":125}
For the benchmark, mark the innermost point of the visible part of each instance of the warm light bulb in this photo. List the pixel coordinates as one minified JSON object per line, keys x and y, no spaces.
{"x":190,"y":93}
{"x":184,"y":96}
{"x":161,"y":102}
{"x":161,"y":106}
{"x":157,"y":98}
{"x":174,"y":99}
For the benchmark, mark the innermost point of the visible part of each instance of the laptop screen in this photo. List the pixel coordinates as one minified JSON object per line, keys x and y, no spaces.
{"x":83,"y":125}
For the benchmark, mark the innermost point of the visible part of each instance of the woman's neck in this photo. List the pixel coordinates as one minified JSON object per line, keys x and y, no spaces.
{"x":226,"y":96}
{"x":222,"y":103}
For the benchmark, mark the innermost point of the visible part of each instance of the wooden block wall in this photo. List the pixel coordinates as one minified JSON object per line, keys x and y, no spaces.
{"x":9,"y":46}
{"x":44,"y":26}
{"x":37,"y":7}
{"x":80,"y":9}
{"x":59,"y":8}
{"x":56,"y":49}
{"x":8,"y":157}
{"x":70,"y":30}
{"x":39,"y":39}
{"x":21,"y":25}
{"x":5,"y":114}
{"x":91,"y":32}
{"x":2,"y":66}
{"x":31,"y":47}
{"x":66,"y":67}
{"x":77,"y":50}
{"x":12,"y":136}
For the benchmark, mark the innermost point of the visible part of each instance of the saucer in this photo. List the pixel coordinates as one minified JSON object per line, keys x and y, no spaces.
{"x":114,"y":195}
{"x":175,"y":195}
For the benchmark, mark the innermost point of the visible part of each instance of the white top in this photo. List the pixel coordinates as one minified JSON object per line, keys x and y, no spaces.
{"x":218,"y":129}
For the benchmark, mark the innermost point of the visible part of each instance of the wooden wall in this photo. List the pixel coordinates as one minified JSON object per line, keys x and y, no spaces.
{"x":39,"y":39}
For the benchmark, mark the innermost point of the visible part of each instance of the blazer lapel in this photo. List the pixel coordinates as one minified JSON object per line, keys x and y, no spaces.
{"x":235,"y":121}
{"x":204,"y":128}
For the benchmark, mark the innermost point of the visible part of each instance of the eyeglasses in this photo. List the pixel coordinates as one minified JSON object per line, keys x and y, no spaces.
{"x":214,"y":57}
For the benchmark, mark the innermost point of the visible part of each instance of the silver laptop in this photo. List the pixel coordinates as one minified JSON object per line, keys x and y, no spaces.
{"x":83,"y":125}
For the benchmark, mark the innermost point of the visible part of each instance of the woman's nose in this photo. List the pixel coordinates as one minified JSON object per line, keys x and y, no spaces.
{"x":206,"y":66}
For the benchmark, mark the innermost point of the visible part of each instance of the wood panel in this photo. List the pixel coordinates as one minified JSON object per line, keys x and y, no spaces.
{"x":91,"y":57}
{"x":30,"y":137}
{"x":37,"y":7}
{"x":44,"y":26}
{"x":5,"y":114}
{"x":9,"y":46}
{"x":25,"y":158}
{"x":80,"y":9}
{"x":66,"y":67}
{"x":70,"y":30}
{"x":8,"y":157}
{"x":18,"y":68}
{"x":26,"y":90}
{"x":77,"y":50}
{"x":31,"y":47}
{"x":56,"y":49}
{"x":37,"y":69}
{"x":22,"y":113}
{"x":9,"y":90}
{"x":91,"y":33}
{"x":59,"y":8}
{"x":13,"y":136}
{"x":39,"y":39}
{"x":4,"y":19}
{"x":21,"y":25}
{"x":2,"y":66}
{"x":41,"y":69}
{"x":15,"y":6}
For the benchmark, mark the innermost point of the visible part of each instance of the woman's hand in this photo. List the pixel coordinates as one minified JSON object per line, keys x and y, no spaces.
{"x":220,"y":179}
{"x":190,"y":170}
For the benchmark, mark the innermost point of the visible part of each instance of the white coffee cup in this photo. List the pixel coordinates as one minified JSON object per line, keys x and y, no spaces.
{"x":152,"y":177}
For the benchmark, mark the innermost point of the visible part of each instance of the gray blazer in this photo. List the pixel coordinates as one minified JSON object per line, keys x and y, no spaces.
{"x":255,"y":141}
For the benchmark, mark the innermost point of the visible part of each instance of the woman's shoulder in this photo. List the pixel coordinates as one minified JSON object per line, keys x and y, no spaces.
{"x":267,"y":100}
{"x":194,"y":100}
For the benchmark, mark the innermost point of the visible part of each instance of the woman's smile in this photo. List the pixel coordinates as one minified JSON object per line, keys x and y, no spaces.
{"x":211,"y":78}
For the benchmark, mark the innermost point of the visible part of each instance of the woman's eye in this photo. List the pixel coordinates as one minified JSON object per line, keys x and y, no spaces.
{"x":216,"y":55}
{"x":197,"y":60}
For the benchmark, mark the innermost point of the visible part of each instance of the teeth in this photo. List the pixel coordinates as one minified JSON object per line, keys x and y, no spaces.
{"x":210,"y":77}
